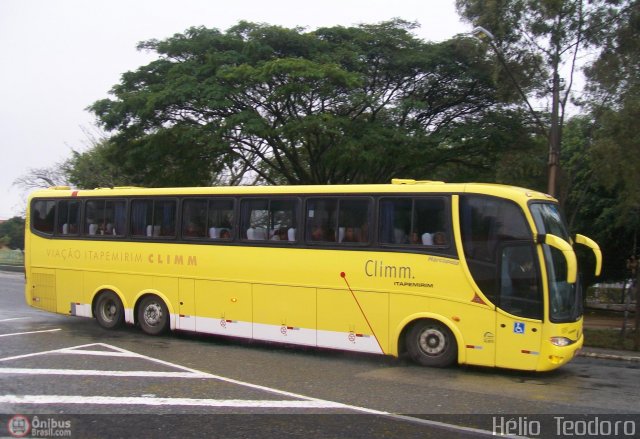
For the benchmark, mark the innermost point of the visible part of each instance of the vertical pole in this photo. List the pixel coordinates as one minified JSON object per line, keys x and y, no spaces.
{"x":554,"y":137}
{"x":636,"y":340}
{"x":626,"y":294}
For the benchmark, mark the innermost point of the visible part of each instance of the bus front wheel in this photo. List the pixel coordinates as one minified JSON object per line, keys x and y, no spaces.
{"x":109,"y":311}
{"x":431,"y":343}
{"x":153,"y":315}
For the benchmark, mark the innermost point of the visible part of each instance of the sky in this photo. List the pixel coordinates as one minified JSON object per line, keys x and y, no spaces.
{"x":60,"y":56}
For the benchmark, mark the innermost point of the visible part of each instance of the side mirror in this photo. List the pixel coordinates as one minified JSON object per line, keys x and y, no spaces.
{"x":581,"y":239}
{"x":566,"y":249}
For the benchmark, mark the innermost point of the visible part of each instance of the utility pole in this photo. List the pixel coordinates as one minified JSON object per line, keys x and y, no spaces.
{"x":554,"y":136}
{"x":552,"y":133}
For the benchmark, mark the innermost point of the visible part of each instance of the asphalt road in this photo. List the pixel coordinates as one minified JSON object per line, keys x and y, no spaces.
{"x":67,"y":374}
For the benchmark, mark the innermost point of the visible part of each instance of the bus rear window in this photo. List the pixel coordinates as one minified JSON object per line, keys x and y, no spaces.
{"x":43,"y":213}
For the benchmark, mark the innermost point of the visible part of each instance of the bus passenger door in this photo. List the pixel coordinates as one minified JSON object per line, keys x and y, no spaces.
{"x":517,"y":341}
{"x":520,"y":307}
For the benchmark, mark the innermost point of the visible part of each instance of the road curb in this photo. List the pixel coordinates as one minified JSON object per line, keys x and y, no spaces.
{"x":603,"y":356}
{"x":12,"y":268}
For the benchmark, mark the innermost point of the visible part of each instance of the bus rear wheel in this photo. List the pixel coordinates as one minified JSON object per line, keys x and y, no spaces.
{"x":108,"y":310}
{"x":153,"y":315}
{"x":431,"y":343}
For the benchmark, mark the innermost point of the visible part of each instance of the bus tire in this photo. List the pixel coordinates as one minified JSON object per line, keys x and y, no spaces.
{"x":108,"y":310}
{"x":153,"y":315}
{"x":430,"y":343}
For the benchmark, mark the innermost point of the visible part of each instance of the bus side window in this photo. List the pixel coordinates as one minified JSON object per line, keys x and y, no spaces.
{"x":487,"y":225}
{"x":104,"y":217}
{"x":342,"y":220}
{"x":68,"y":217}
{"x":153,"y":218}
{"x":430,"y":221}
{"x":220,"y":219}
{"x":413,"y":221}
{"x":194,"y":218}
{"x":321,"y":218}
{"x":353,"y":221}
{"x":43,"y":213}
{"x":519,"y":282}
{"x":264,"y":219}
{"x":395,"y":221}
{"x":118,"y":220}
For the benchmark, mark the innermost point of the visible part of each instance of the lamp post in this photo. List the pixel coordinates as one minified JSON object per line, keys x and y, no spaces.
{"x":553,"y":133}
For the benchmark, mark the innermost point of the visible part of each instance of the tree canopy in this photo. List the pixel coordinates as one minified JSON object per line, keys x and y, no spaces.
{"x":334,"y":105}
{"x":614,"y":84}
{"x":12,"y":232}
{"x":539,"y":43}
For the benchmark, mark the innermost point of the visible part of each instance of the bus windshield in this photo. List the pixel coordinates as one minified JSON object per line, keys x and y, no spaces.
{"x":565,"y":299}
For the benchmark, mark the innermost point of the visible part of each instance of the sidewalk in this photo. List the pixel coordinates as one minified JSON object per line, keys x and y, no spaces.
{"x":610,"y":354}
{"x":613,"y":322}
{"x":15,"y":268}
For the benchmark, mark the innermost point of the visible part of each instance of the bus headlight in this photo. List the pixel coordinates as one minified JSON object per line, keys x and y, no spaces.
{"x":561,"y":341}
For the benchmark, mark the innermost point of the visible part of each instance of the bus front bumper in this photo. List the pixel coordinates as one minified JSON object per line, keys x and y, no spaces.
{"x":556,"y":356}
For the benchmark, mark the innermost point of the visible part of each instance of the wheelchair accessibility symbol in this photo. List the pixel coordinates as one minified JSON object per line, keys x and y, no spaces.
{"x":518,"y":327}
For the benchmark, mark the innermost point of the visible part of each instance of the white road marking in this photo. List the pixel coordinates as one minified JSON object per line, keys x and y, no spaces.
{"x":30,"y":332}
{"x":99,"y":353}
{"x":54,"y":351}
{"x":298,"y":401}
{"x":115,"y":400}
{"x":12,"y":319}
{"x":106,"y":373}
{"x":188,"y":372}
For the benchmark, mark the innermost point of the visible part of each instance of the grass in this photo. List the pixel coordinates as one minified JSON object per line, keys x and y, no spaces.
{"x":11,"y":257}
{"x":608,"y":339}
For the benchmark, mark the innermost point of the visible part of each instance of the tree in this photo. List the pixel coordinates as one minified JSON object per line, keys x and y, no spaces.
{"x":37,"y":178}
{"x":335,"y":105}
{"x":538,"y":40}
{"x":614,"y":83}
{"x":97,"y":166}
{"x":590,"y":204}
{"x":12,"y":232}
{"x":617,"y":142}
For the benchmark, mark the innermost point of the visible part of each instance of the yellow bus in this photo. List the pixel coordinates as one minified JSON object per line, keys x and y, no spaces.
{"x":448,"y":273}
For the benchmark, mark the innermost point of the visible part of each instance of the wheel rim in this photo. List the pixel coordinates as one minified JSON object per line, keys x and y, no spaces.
{"x":153,"y":314}
{"x":432,"y":342}
{"x":109,"y":311}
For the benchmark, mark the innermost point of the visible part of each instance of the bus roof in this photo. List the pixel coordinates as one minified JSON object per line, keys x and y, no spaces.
{"x":396,"y":186}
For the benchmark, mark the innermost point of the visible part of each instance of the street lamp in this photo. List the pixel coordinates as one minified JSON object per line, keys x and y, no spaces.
{"x":553,"y":134}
